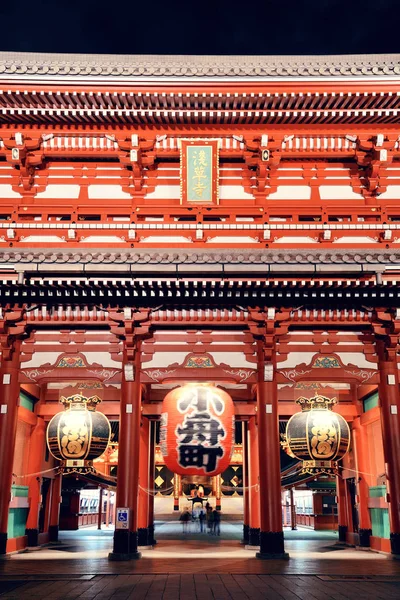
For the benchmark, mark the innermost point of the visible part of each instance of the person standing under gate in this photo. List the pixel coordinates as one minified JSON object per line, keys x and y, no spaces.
{"x":216,"y":522}
{"x":185,"y":518}
{"x":202,"y":518}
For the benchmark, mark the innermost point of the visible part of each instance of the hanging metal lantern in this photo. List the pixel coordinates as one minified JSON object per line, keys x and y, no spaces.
{"x":317,"y":436}
{"x":197,"y":430}
{"x":79,"y":434}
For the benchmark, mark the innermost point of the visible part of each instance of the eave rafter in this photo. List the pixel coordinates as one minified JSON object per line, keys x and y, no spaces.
{"x":203,"y":293}
{"x":263,"y":104}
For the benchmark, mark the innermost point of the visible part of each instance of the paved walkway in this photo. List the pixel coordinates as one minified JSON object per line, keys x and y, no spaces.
{"x":198,"y":566}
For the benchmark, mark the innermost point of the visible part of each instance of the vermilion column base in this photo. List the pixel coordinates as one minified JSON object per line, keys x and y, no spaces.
{"x":272,"y":546}
{"x":364,"y":535}
{"x":33,"y":537}
{"x":53,"y":533}
{"x":246,"y":534}
{"x":342,"y":533}
{"x":395,"y":544}
{"x":3,"y":543}
{"x":254,"y":536}
{"x":125,"y":546}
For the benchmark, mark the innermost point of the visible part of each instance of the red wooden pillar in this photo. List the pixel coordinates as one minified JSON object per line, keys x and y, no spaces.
{"x":218,"y":492}
{"x":342,"y":508}
{"x":9,"y":398}
{"x":245,"y":484}
{"x":390,"y":420}
{"x":254,"y":483}
{"x":360,"y":444}
{"x":37,"y":449}
{"x":143,"y":512}
{"x":292,"y":510}
{"x":126,"y":540}
{"x":152,"y":457}
{"x":100,"y":513}
{"x":108,"y":509}
{"x":271,"y":532}
{"x":55,"y":508}
{"x":177,"y":485}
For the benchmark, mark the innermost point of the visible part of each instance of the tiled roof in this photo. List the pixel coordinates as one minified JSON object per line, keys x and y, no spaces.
{"x":14,"y":64}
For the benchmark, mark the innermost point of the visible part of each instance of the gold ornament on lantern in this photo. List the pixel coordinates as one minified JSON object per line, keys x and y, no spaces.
{"x":317,"y":436}
{"x":79,"y":434}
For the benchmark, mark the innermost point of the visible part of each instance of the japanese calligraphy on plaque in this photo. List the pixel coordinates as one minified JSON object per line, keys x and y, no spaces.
{"x":197,"y":430}
{"x":199,"y":172}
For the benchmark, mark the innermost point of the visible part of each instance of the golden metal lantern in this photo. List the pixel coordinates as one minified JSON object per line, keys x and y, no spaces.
{"x":79,"y":434}
{"x":317,"y":436}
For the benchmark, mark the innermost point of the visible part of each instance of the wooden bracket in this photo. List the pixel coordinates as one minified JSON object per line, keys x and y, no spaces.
{"x":25,"y":155}
{"x":12,"y":328}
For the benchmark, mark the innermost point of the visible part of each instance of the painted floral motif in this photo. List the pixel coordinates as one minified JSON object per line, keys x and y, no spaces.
{"x":326,"y":362}
{"x":198,"y":362}
{"x":71,"y":362}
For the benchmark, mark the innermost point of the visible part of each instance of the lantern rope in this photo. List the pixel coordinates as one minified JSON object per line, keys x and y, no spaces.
{"x":356,"y":471}
{"x":228,"y":488}
{"x":154,"y":492}
{"x":33,"y":474}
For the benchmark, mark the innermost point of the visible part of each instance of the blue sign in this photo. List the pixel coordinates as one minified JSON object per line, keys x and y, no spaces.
{"x":122,"y":518}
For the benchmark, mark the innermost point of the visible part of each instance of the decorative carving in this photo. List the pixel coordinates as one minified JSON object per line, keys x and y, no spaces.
{"x":292,"y":374}
{"x":158,"y":374}
{"x":243,"y":374}
{"x":362,"y":374}
{"x":33,"y":374}
{"x":105,"y":374}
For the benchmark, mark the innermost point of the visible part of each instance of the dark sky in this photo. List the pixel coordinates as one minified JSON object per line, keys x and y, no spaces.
{"x":201,"y":26}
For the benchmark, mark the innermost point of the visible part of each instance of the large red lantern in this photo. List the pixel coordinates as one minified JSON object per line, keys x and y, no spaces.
{"x":197,"y":430}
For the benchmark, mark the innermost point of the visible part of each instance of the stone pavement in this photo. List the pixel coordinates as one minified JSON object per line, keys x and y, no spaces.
{"x":197,"y":566}
{"x":202,"y":586}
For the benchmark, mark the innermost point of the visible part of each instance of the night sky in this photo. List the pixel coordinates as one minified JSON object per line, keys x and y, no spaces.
{"x":201,"y":26}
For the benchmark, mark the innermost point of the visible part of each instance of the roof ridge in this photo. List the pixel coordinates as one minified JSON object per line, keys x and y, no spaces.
{"x":185,"y":66}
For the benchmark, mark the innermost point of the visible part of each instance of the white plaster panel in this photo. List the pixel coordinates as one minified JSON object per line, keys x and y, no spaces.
{"x":165,"y":359}
{"x":234,"y":192}
{"x":355,"y":358}
{"x":41,"y":358}
{"x":296,"y":239}
{"x":338,"y":192}
{"x":233,"y":359}
{"x":45,"y":239}
{"x":231,"y":239}
{"x":99,"y":239}
{"x":6,"y":191}
{"x":110,"y":192}
{"x":296,"y":358}
{"x":291,"y":192}
{"x":166,"y":239}
{"x":349,"y":239}
{"x":392,"y":193}
{"x":167,"y":192}
{"x":60,"y":191}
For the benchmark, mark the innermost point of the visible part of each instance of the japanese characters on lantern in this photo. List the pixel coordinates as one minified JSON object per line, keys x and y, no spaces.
{"x":197,"y":430}
{"x":79,"y":434}
{"x":317,"y":436}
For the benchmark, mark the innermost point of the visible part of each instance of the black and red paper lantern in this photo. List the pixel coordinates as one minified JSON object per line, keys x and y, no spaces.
{"x":79,"y":434}
{"x":197,"y":430}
